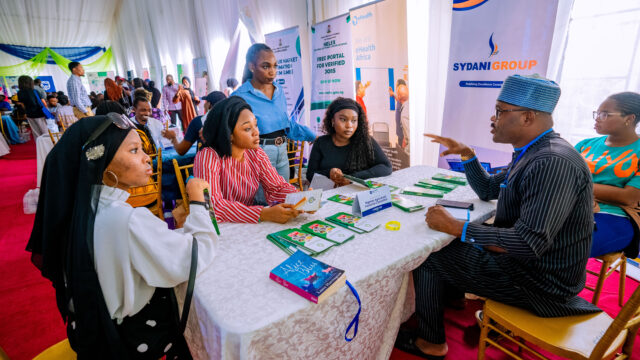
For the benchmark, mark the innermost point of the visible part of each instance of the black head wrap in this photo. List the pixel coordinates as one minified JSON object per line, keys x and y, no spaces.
{"x":221,"y":120}
{"x":61,"y":241}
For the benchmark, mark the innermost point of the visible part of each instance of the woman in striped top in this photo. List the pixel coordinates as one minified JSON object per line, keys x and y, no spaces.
{"x":235,"y":166}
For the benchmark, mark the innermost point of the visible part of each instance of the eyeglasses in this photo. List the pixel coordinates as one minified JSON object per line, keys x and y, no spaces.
{"x":119,"y":120}
{"x":603,"y":115}
{"x":498,"y":111}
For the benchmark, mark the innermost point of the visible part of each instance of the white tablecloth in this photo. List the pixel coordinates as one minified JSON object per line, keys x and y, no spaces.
{"x":239,"y":313}
{"x":4,"y":146}
{"x":43,"y":147}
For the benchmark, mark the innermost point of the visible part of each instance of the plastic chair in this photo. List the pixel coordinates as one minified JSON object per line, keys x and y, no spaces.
{"x":59,"y":351}
{"x":179,"y":170}
{"x":150,"y":195}
{"x":295,"y":153}
{"x":610,"y":262}
{"x":55,"y":136}
{"x":591,"y":336}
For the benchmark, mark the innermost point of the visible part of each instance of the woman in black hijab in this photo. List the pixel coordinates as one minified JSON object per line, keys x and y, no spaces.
{"x":112,"y":266}
{"x":186,"y":83}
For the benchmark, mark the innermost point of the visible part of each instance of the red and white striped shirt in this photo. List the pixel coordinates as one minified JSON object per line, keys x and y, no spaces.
{"x":234,"y":184}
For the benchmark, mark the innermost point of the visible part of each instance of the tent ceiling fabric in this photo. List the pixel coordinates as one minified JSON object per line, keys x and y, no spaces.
{"x":57,"y":23}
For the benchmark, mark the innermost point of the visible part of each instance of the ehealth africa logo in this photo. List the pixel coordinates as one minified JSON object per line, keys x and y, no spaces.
{"x":493,"y":46}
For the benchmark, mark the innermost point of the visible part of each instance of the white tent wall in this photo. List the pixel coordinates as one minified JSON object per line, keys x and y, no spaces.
{"x":155,"y":33}
{"x":57,"y":23}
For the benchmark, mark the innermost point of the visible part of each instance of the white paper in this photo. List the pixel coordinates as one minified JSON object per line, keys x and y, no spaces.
{"x":317,"y":244}
{"x":339,"y":235}
{"x":322,"y":182}
{"x":366,"y":225}
{"x":314,"y":197}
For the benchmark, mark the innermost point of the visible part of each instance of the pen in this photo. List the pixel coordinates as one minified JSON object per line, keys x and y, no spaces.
{"x":207,"y":205}
{"x":299,"y":203}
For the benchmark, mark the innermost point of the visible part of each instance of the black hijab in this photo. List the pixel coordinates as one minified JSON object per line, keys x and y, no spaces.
{"x":61,"y":241}
{"x":221,"y":120}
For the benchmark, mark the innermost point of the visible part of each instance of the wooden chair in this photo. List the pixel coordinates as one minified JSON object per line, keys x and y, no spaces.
{"x":59,"y":351}
{"x":55,"y":136}
{"x":591,"y":336}
{"x":610,"y":262}
{"x":182,"y":174}
{"x":295,"y":153}
{"x":150,"y":195}
{"x":66,"y":121}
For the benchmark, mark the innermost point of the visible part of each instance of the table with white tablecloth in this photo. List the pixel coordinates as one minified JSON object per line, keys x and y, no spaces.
{"x":43,"y":147}
{"x":239,"y":313}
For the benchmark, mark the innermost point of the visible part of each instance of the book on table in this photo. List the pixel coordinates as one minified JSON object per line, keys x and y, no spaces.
{"x":419,"y":191}
{"x":405,"y":204}
{"x":436,"y":184}
{"x":342,"y":199}
{"x":329,"y":232}
{"x":310,"y":278}
{"x":299,"y":240}
{"x":354,"y":223}
{"x":458,"y":180}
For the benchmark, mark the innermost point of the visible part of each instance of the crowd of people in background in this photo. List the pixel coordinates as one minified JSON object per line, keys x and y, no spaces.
{"x":245,"y":165}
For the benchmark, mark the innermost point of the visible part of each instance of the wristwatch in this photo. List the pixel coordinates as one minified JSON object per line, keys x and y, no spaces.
{"x":468,"y":157}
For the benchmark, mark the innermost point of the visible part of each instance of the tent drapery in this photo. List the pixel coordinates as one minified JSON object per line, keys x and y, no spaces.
{"x":71,"y":53}
{"x":33,"y":67}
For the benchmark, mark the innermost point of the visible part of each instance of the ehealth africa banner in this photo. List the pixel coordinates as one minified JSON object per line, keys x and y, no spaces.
{"x":491,"y":40}
{"x":331,"y":66}
{"x":286,"y":46}
{"x":380,"y":56}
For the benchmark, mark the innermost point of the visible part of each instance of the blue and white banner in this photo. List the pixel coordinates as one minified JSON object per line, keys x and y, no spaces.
{"x":286,"y":46}
{"x":491,"y":40}
{"x":331,"y":66}
{"x":381,"y":58}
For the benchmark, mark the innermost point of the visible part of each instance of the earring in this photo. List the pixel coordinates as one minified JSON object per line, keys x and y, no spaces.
{"x":115,"y":177}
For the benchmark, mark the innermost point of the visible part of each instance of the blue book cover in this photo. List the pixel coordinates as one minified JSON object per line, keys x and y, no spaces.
{"x":308,"y":277}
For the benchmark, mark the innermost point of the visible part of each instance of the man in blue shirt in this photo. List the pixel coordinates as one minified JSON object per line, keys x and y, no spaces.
{"x":78,"y":97}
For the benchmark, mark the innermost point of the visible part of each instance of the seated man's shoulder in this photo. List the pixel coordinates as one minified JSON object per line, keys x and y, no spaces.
{"x":563,"y":155}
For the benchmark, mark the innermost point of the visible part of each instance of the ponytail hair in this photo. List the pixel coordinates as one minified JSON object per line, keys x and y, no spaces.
{"x":628,"y":103}
{"x":252,"y":56}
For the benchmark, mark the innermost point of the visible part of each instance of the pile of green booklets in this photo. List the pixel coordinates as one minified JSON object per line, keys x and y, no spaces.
{"x":437,"y":186}
{"x":317,"y":236}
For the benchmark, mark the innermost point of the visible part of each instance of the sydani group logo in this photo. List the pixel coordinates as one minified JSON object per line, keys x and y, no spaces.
{"x":464,"y":5}
{"x":507,"y":64}
{"x":493,"y":46}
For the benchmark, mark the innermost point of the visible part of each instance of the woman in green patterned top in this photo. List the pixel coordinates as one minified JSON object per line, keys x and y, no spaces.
{"x":613,"y":161}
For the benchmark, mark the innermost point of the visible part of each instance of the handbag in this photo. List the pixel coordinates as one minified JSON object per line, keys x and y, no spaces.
{"x":46,"y":111}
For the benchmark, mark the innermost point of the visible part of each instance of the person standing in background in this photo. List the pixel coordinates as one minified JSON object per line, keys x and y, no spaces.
{"x":186,"y":84}
{"x":155,"y":94}
{"x":169,"y":91}
{"x":232,"y":85}
{"x":269,"y":105}
{"x":78,"y":97}
{"x":28,"y":97}
{"x":37,"y":86}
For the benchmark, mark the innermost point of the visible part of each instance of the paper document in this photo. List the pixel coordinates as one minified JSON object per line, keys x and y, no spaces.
{"x":311,"y":204}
